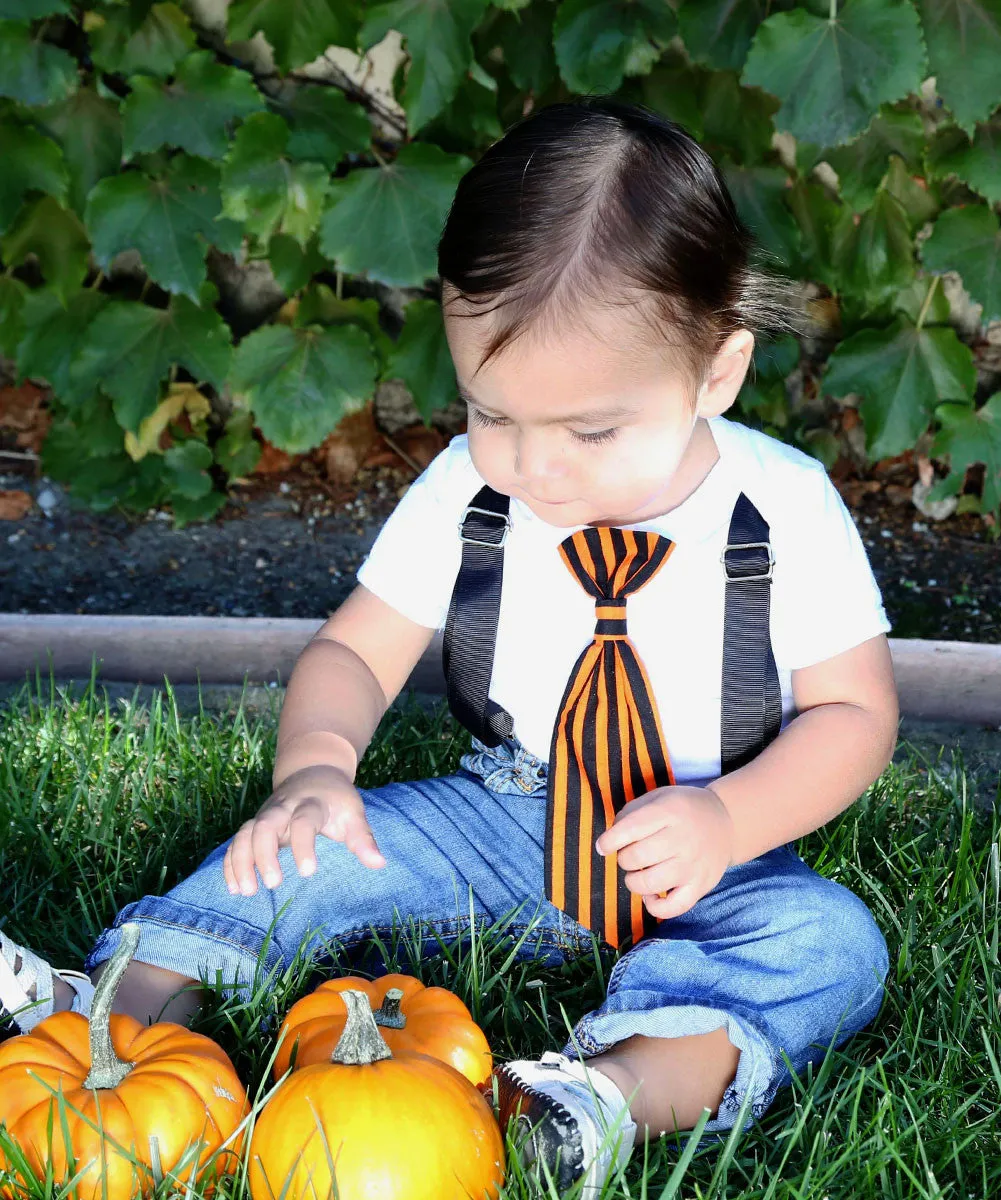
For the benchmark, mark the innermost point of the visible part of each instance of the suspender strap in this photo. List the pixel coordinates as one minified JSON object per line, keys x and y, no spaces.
{"x":752,"y":701}
{"x":471,"y":624}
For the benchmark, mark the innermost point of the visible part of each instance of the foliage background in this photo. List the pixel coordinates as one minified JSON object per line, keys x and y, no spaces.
{"x":153,"y":152}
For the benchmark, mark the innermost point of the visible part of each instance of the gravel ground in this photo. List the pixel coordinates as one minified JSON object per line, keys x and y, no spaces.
{"x":288,"y":547}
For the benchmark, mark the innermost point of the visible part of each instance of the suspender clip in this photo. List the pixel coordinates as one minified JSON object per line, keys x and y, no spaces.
{"x":486,"y":512}
{"x":748,"y":546}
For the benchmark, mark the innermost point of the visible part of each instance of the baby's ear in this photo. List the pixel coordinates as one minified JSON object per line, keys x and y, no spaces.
{"x":726,"y":375}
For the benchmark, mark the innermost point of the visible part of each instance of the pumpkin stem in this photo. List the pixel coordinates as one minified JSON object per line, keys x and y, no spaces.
{"x":389,"y":1015}
{"x":361,"y":1042}
{"x":106,"y":1069}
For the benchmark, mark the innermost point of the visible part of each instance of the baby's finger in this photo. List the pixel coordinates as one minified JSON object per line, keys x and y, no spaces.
{"x":268,"y":829}
{"x":241,"y":857}
{"x":302,"y":838}
{"x":678,"y":901}
{"x":359,"y":839}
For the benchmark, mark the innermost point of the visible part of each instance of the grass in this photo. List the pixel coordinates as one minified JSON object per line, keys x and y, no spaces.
{"x":103,"y":803}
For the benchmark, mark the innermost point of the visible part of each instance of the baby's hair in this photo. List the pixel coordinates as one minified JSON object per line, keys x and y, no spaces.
{"x":602,"y":201}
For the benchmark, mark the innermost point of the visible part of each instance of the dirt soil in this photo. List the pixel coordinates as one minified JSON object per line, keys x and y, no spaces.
{"x":288,"y":544}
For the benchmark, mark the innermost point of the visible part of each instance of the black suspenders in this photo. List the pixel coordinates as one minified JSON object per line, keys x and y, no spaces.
{"x":752,"y":701}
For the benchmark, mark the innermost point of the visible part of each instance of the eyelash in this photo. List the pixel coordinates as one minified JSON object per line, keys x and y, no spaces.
{"x":588,"y":439}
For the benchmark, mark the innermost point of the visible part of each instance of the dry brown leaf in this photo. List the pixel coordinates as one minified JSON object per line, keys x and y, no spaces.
{"x":420,"y":443}
{"x":22,"y":410}
{"x":348,"y":446}
{"x":14,"y":505}
{"x":272,"y":461}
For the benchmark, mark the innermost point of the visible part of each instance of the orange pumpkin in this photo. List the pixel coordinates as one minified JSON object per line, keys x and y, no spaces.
{"x":410,"y":1016}
{"x":395,"y":1125}
{"x":139,"y":1100}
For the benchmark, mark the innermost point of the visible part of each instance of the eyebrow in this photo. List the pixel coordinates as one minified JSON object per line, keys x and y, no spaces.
{"x":592,"y":415}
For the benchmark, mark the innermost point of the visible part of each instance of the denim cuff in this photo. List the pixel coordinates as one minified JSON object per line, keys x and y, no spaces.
{"x":507,"y":768}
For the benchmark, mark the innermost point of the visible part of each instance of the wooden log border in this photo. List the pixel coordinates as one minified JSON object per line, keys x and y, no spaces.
{"x":936,"y":680}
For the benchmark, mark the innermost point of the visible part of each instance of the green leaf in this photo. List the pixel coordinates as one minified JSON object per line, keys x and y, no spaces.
{"x":89,"y":130}
{"x":759,"y":195}
{"x":31,"y":163}
{"x":31,"y":10}
{"x":874,"y":254}
{"x":421,"y":358}
{"x":964,"y":50}
{"x":832,"y":76}
{"x":977,"y":163}
{"x":325,"y":126}
{"x":193,"y":112}
{"x":91,"y":432}
{"x":298,"y":31}
{"x":918,"y":202}
{"x":971,"y":436}
{"x":736,"y":120}
{"x":151,"y":41}
{"x":384,"y":222}
{"x":238,"y":451}
{"x":437,"y":38}
{"x":131,"y":347}
{"x":300,"y":382}
{"x":53,"y":337}
{"x":264,"y":190}
{"x":911,"y":301}
{"x":320,"y":306}
{"x":599,"y":42}
{"x":470,"y":121}
{"x":719,"y":32}
{"x":968,"y":240}
{"x":293,"y":266}
{"x":185,"y":510}
{"x":817,"y":215}
{"x":526,"y":39}
{"x":32,"y":71}
{"x":56,"y":236}
{"x":12,"y":293}
{"x":185,"y":468}
{"x":677,"y":92}
{"x":861,"y":164}
{"x":170,"y":222}
{"x":901,"y":372}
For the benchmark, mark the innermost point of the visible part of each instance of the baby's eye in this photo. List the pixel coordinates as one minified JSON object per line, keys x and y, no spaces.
{"x":594,"y":439}
{"x":481,"y":418}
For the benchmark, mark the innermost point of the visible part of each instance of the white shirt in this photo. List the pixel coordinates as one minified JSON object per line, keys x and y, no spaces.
{"x":824,"y":598}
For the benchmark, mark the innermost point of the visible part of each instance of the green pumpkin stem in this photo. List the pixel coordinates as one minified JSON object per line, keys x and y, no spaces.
{"x":389,"y":1015}
{"x":106,"y":1069}
{"x":361,"y":1042}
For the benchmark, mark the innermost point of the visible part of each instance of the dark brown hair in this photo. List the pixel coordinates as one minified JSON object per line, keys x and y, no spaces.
{"x":599,"y":200}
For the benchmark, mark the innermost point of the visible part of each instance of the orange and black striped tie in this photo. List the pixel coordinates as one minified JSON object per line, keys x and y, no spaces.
{"x":608,"y":746}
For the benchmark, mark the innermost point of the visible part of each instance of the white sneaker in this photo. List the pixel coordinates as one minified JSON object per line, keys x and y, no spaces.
{"x":578,"y":1119}
{"x":21,"y":971}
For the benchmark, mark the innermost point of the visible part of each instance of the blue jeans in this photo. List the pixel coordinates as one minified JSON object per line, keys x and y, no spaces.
{"x":785,"y":960}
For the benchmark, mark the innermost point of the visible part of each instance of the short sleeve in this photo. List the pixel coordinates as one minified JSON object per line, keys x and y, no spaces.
{"x":415,"y":557}
{"x":825,"y":598}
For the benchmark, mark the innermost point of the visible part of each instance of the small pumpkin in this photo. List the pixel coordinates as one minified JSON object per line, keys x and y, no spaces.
{"x":396,"y":1125}
{"x":138,"y":1098}
{"x":410,"y":1016}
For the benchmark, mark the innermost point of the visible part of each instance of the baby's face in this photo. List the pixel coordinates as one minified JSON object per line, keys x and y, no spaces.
{"x":580,"y":428}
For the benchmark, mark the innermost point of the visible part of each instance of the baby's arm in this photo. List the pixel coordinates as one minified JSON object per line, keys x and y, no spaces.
{"x":342,"y":683}
{"x":840,"y":742}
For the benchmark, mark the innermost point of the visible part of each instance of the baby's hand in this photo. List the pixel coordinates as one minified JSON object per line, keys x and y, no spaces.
{"x":315,"y":800}
{"x":677,"y":840}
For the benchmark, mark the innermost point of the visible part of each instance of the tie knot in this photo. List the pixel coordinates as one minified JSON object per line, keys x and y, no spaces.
{"x":610,"y":618}
{"x":611,"y":563}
